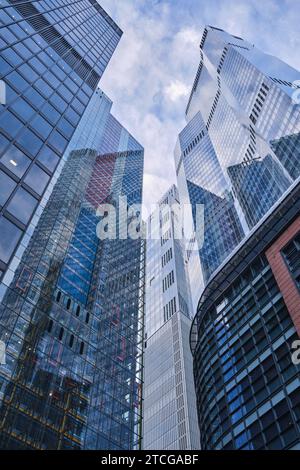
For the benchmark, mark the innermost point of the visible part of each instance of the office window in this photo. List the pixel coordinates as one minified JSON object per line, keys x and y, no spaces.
{"x":58,"y":141}
{"x":10,"y":235}
{"x":37,"y":179}
{"x":48,"y":158}
{"x":41,"y":126}
{"x":16,"y":161}
{"x":3,"y":142}
{"x":23,"y":109}
{"x":22,"y":205}
{"x":7,"y":185}
{"x":9,"y":122}
{"x":30,"y":141}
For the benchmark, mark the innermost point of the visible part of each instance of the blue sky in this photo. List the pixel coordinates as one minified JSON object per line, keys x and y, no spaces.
{"x":151,"y":73}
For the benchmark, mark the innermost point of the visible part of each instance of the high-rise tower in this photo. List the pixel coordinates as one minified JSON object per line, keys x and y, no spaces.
{"x":238,"y":152}
{"x":53,"y":55}
{"x":71,"y":315}
{"x":238,"y":155}
{"x":169,"y":417}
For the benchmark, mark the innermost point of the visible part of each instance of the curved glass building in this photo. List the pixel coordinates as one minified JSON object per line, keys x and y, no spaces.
{"x":243,"y":339}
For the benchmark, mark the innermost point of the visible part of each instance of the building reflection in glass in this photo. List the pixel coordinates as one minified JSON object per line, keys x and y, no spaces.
{"x":72,"y":318}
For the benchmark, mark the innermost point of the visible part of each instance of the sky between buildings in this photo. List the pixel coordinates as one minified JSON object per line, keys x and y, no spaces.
{"x":151,"y":73}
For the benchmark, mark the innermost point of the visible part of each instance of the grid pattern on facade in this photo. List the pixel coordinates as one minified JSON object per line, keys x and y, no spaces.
{"x":246,"y":382}
{"x":51,"y":62}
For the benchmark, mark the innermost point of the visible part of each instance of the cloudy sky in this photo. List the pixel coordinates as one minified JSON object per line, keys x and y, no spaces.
{"x":151,"y":73}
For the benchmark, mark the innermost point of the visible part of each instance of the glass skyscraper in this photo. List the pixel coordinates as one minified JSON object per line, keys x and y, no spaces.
{"x":243,"y":340}
{"x":169,"y":405}
{"x":53,"y":54}
{"x":239,"y":156}
{"x":238,"y":152}
{"x":72,"y":316}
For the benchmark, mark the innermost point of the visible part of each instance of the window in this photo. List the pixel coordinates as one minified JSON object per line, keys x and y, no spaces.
{"x":37,"y":179}
{"x":7,"y":186}
{"x":23,"y":109}
{"x":3,"y":142}
{"x":17,"y":81}
{"x":22,"y":205}
{"x":41,"y":126}
{"x":71,"y":342}
{"x":34,"y":97}
{"x":30,"y":142}
{"x":50,"y":112}
{"x":10,"y":123}
{"x":28,"y":73}
{"x":16,"y":161}
{"x":50,"y":326}
{"x":65,"y":127}
{"x":10,"y":235}
{"x":5,"y":67}
{"x":48,"y":158}
{"x":58,"y":141}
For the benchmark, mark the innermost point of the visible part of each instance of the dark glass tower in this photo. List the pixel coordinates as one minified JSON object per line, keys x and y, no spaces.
{"x":53,"y":54}
{"x":72,"y":317}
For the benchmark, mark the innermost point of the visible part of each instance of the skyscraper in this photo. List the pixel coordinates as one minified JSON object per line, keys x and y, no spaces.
{"x":72,"y":316}
{"x":169,"y":411}
{"x":240,"y":150}
{"x":245,"y":340}
{"x":239,"y":146}
{"x":53,"y":55}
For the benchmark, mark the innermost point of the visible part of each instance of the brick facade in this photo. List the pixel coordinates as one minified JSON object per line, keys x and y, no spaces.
{"x":282,"y":274}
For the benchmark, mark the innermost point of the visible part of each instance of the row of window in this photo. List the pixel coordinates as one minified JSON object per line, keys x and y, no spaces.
{"x":166,"y":257}
{"x":168,"y":281}
{"x":259,"y":103}
{"x":169,"y":309}
{"x":194,"y":142}
{"x":61,"y":337}
{"x":166,"y":236}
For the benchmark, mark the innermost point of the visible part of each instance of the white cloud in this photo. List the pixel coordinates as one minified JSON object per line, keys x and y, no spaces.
{"x":176,"y":90}
{"x":152,"y":71}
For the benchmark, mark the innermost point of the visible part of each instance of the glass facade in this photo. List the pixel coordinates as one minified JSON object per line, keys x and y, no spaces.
{"x":238,"y":154}
{"x":72,"y":316}
{"x":169,"y":406}
{"x":247,"y":383}
{"x":53,"y":54}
